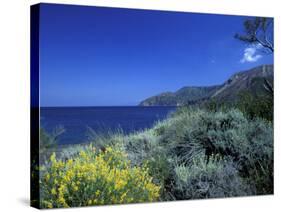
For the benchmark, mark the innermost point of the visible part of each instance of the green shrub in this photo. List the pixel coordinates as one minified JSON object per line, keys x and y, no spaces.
{"x":256,"y":106}
{"x":140,"y":146}
{"x":191,"y":133}
{"x":217,"y":178}
{"x":94,"y":178}
{"x":248,"y":142}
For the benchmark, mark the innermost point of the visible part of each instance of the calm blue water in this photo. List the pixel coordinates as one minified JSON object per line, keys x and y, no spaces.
{"x":76,"y":120}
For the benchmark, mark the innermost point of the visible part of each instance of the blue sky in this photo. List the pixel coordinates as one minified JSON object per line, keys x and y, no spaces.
{"x":94,"y":56}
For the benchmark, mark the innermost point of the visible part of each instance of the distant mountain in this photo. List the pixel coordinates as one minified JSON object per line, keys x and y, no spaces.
{"x":251,"y":80}
{"x":183,"y":96}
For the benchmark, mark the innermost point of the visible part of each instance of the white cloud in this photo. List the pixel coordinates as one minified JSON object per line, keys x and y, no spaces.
{"x":250,"y":54}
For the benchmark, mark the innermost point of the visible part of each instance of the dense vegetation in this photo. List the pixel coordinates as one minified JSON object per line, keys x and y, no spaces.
{"x":195,"y":153}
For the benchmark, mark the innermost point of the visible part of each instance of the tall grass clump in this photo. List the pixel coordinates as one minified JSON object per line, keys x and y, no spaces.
{"x":107,"y":138}
{"x":48,"y":142}
{"x":95,"y":178}
{"x":98,"y":140}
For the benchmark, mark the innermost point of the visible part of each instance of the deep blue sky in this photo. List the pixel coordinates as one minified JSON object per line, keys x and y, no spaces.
{"x":93,"y":56}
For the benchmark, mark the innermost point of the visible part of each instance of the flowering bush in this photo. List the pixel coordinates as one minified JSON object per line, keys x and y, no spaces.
{"x":95,"y":178}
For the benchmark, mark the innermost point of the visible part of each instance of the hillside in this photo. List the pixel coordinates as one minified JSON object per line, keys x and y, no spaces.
{"x":250,"y":80}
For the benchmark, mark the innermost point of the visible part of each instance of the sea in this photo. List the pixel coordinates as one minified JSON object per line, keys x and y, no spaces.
{"x":79,"y":123}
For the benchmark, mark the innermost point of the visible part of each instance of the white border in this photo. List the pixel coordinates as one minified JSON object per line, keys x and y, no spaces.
{"x":14,"y":96}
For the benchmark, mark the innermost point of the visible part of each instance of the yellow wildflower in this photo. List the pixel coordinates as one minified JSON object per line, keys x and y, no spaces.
{"x":53,"y":191}
{"x":97,"y":192}
{"x":47,"y":177}
{"x":108,"y":172}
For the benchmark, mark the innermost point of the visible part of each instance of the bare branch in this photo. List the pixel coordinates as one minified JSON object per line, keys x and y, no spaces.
{"x":268,"y":87}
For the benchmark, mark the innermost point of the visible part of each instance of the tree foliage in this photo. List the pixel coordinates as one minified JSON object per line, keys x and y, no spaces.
{"x":258,"y":31}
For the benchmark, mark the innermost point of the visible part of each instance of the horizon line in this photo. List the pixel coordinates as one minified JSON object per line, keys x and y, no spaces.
{"x":108,"y":106}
